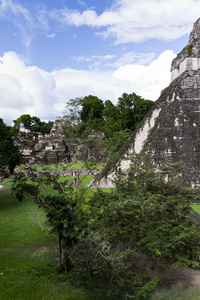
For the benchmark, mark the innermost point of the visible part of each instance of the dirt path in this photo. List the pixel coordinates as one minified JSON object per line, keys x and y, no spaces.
{"x":183,"y":275}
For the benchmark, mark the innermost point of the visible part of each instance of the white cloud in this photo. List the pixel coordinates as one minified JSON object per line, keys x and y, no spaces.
{"x":30,"y":90}
{"x":125,"y":21}
{"x":132,"y":57}
{"x":81,"y":3}
{"x":8,"y":6}
{"x":20,"y":17}
{"x":136,"y":21}
{"x":52,"y":35}
{"x":113,"y":62}
{"x":94,"y":58}
{"x":25,"y":89}
{"x":151,"y":79}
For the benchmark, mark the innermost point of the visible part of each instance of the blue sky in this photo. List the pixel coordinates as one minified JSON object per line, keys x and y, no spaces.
{"x":55,"y":50}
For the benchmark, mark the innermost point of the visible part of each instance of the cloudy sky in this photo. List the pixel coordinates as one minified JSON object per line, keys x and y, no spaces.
{"x":55,"y":50}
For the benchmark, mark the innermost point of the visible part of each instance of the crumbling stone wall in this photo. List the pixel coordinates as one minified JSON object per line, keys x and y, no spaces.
{"x":55,"y":148}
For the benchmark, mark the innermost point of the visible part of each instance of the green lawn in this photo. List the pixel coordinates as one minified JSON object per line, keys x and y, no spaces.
{"x":177,"y":291}
{"x":196,"y":208}
{"x":28,"y":256}
{"x":29,"y":259}
{"x":70,"y":166}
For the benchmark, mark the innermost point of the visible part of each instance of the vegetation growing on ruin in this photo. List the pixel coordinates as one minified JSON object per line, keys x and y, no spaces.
{"x":190,"y":47}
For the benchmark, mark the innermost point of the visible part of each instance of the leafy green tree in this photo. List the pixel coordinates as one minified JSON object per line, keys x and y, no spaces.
{"x":81,"y":115}
{"x":114,"y":122}
{"x":34,"y":123}
{"x":60,"y":200}
{"x":9,"y":153}
{"x":111,"y":145}
{"x":40,"y":126}
{"x":58,"y":212}
{"x":133,"y":233}
{"x":23,"y":118}
{"x":111,"y":115}
{"x":71,"y":118}
{"x":91,"y":113}
{"x":57,"y":207}
{"x":132,"y":109}
{"x":91,"y":108}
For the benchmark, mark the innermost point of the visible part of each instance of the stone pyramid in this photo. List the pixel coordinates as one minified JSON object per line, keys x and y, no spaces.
{"x":170,"y":131}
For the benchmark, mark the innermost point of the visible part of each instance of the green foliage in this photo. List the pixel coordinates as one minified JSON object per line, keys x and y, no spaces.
{"x":81,"y":115}
{"x":117,"y":243}
{"x":132,"y":109}
{"x":132,"y":233}
{"x":91,"y":108}
{"x":84,"y":114}
{"x":116,"y":122}
{"x":41,"y":126}
{"x":34,"y":123}
{"x":58,"y":198}
{"x":112,"y":117}
{"x":91,"y":115}
{"x":27,"y":255}
{"x":190,"y":47}
{"x":9,"y":153}
{"x":71,"y":118}
{"x":111,"y":145}
{"x":196,"y":207}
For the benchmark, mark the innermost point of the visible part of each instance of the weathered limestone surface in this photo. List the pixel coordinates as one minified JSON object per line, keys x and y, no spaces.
{"x":171,"y":130}
{"x":189,"y":57}
{"x":55,"y":148}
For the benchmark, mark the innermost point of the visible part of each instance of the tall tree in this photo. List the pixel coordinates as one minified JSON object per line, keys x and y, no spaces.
{"x":9,"y":153}
{"x":91,"y":113}
{"x":81,"y":115}
{"x":114,"y":122}
{"x":71,"y":118}
{"x":111,"y":115}
{"x":34,"y":123}
{"x":132,"y":109}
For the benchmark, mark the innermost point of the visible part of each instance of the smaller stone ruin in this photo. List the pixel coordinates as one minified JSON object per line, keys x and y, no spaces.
{"x":55,"y":148}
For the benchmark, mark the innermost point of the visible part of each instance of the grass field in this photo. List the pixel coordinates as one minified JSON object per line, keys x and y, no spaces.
{"x":70,"y":166}
{"x":28,"y":256}
{"x":29,"y":259}
{"x":196,"y":208}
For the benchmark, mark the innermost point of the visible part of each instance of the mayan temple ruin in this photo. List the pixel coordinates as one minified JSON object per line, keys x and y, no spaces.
{"x":171,"y":130}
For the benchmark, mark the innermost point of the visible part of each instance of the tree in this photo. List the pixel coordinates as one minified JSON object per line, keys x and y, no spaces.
{"x":60,"y":199}
{"x":9,"y":153}
{"x":111,"y":115}
{"x":81,"y":115}
{"x":40,"y":126}
{"x":132,"y":109}
{"x":59,"y":216}
{"x":91,"y":114}
{"x":71,"y":118}
{"x":114,"y":122}
{"x":111,"y":145}
{"x":134,"y":232}
{"x":34,"y":123}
